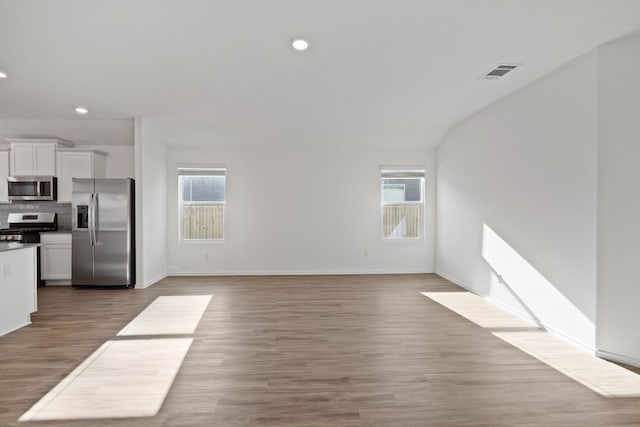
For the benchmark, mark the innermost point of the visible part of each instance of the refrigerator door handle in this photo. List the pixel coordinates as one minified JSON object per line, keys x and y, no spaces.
{"x":95,"y":219}
{"x":91,"y":215}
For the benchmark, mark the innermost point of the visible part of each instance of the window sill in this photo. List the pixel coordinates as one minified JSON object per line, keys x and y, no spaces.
{"x":202,"y":242}
{"x":404,"y":240}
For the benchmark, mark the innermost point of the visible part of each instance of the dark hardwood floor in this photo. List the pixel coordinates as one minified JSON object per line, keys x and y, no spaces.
{"x":306,"y":351}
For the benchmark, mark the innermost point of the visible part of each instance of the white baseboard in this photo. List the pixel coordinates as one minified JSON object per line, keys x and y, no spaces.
{"x":150,"y":282}
{"x":298,"y":273}
{"x":519,"y":313}
{"x":58,"y":283}
{"x":544,"y":326}
{"x":8,"y":331}
{"x":627,"y":360}
{"x":454,"y":280}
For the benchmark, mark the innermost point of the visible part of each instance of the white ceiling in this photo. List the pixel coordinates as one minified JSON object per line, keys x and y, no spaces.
{"x":381,"y":72}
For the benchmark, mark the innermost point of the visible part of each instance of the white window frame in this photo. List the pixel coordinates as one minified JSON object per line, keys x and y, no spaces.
{"x":399,"y":170}
{"x":181,"y":203}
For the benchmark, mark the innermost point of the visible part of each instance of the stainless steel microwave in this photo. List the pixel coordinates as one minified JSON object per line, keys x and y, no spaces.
{"x":33,"y":187}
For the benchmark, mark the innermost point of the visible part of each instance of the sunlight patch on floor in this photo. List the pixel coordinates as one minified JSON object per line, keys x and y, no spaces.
{"x":169,"y":315}
{"x":478,"y":310}
{"x":126,"y":378}
{"x":599,"y":375}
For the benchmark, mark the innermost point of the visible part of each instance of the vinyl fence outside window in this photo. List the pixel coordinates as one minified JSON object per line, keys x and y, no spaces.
{"x":202,"y":197}
{"x":402,"y":194}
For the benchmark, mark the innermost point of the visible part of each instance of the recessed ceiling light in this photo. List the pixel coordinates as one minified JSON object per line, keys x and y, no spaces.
{"x":3,"y":75}
{"x":299,"y":43}
{"x":81,"y":110}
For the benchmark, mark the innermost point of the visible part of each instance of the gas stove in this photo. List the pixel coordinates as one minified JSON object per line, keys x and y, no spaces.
{"x":26,"y":227}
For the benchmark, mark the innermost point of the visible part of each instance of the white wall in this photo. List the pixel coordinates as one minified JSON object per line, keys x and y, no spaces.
{"x":619,"y":201}
{"x":151,"y":205}
{"x":516,"y":201}
{"x":291,"y":210}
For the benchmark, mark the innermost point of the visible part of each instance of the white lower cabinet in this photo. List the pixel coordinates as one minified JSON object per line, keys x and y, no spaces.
{"x":55,"y":254}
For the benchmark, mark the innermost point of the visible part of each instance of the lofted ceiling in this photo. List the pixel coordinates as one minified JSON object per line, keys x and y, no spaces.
{"x":379,"y":72}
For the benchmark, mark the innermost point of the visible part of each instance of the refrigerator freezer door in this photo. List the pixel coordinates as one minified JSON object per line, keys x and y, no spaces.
{"x":81,"y":246}
{"x":112,"y":260}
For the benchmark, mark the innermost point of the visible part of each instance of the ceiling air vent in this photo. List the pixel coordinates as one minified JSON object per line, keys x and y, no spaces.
{"x":499,"y":71}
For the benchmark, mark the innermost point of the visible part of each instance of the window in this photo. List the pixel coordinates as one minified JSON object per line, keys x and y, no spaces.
{"x":202,"y":196}
{"x":402,"y":203}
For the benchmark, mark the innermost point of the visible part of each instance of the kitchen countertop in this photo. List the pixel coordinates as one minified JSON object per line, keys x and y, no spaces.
{"x":12,"y":246}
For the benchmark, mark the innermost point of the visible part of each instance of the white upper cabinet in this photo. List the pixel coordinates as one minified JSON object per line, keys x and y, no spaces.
{"x":44,"y":156}
{"x":4,"y":173}
{"x":34,"y":157}
{"x":22,"y":161}
{"x":78,"y":164}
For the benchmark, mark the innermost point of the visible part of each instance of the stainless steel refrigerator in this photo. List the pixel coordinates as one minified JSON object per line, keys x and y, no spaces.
{"x":103,"y":234}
